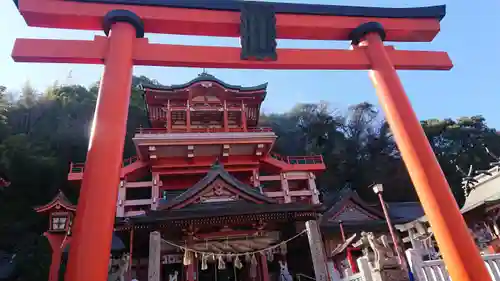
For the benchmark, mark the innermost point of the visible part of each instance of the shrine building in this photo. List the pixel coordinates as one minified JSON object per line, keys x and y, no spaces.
{"x":205,"y":180}
{"x":207,"y":199}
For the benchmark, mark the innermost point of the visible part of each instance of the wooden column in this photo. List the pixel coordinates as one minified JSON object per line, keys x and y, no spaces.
{"x":312,"y":186}
{"x":243,"y":117}
{"x":131,"y":247}
{"x":154,"y":256}
{"x":188,"y":117}
{"x":122,"y":196}
{"x":226,"y":118}
{"x":191,"y":268}
{"x":265,"y":270}
{"x":317,"y":251}
{"x":285,"y":188}
{"x":155,"y":191}
{"x":169,"y":117}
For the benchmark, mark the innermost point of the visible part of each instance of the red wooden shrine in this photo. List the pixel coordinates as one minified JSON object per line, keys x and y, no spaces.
{"x":205,"y":173}
{"x":258,"y":25}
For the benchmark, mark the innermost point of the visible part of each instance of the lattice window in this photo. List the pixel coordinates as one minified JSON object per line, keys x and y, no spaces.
{"x":59,"y":223}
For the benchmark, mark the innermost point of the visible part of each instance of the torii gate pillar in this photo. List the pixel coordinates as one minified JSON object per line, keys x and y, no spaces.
{"x":96,"y":209}
{"x":455,"y":243}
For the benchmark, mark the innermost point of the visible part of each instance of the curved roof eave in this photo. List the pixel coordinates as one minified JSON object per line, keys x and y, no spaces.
{"x":204,"y":77}
{"x":60,"y":199}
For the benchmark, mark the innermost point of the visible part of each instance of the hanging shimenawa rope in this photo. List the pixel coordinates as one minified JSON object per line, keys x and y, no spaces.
{"x":184,"y":248}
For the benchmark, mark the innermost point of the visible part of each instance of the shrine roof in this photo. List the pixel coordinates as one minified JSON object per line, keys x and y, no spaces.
{"x":485,"y":192}
{"x":354,"y":212}
{"x":217,"y":171}
{"x":221,"y":211}
{"x":349,"y":198}
{"x":205,"y":77}
{"x":59,"y":201}
{"x":432,"y":12}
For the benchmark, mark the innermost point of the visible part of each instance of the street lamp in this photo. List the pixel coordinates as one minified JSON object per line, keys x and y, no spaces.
{"x":378,"y":189}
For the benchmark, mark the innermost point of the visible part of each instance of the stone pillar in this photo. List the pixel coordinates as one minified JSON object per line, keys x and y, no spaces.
{"x":364,"y":268}
{"x":317,"y":251}
{"x":414,"y":258}
{"x":154,"y":256}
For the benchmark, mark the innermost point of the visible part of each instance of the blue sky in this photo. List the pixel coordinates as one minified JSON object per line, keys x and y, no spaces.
{"x":468,"y":33}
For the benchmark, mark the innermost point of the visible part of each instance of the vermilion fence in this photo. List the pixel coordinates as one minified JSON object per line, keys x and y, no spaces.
{"x":201,"y":130}
{"x":79,"y":167}
{"x":297,"y":160}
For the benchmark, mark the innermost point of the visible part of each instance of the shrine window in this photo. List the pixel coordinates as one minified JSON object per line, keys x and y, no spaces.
{"x":59,"y":222}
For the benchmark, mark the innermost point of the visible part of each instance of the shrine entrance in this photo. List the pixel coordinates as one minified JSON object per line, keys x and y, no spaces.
{"x":258,"y":25}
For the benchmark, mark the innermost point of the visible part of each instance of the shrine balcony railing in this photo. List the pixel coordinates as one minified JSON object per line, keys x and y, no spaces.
{"x":298,"y":160}
{"x":202,"y":130}
{"x":79,"y":167}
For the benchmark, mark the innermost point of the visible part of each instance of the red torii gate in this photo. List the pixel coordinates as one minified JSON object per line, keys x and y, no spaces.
{"x":258,"y":25}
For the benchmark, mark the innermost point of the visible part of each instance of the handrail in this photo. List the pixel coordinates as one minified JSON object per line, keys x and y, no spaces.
{"x":79,"y":167}
{"x":298,"y":160}
{"x":129,"y":161}
{"x":299,"y":275}
{"x":202,"y":130}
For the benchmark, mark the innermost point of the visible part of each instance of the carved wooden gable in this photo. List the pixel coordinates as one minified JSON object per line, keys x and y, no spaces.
{"x":218,"y":191}
{"x":352,"y":213}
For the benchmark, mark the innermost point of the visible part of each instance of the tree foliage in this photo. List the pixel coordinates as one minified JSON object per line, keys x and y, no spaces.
{"x":41,"y":132}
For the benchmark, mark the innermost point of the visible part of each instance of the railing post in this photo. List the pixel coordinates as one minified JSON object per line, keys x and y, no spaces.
{"x":415,"y":263}
{"x":364,"y":269}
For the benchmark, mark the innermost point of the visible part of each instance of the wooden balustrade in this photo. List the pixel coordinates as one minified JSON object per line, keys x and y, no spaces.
{"x":202,"y":130}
